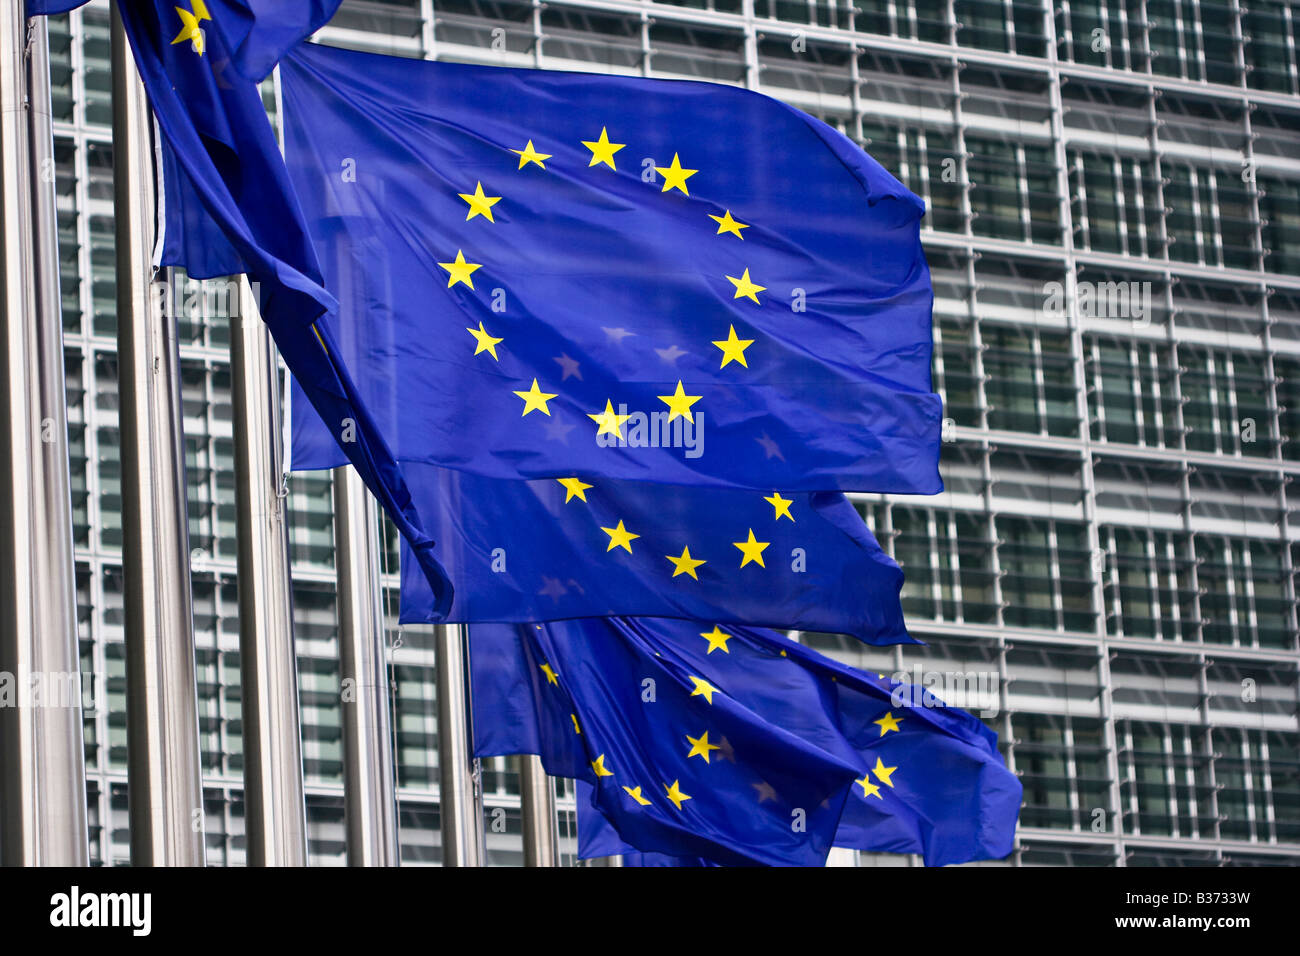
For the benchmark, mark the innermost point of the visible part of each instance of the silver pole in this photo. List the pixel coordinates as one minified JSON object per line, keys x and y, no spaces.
{"x":166,"y":789}
{"x":42,"y":766}
{"x":275,"y":810}
{"x":459,"y":795}
{"x":369,"y":788}
{"x":537,"y":803}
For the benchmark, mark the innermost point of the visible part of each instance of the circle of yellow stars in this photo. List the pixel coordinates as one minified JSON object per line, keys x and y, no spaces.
{"x":480,"y":204}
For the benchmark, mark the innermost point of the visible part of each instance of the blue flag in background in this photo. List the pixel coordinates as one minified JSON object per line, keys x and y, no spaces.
{"x":257,"y":33}
{"x":677,"y":763}
{"x":48,"y":8}
{"x":254,"y":33}
{"x":229,"y":208}
{"x":546,"y":550}
{"x":926,"y":778}
{"x":520,"y":251}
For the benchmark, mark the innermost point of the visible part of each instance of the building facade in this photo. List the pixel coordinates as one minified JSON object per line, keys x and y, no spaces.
{"x":1113,"y":228}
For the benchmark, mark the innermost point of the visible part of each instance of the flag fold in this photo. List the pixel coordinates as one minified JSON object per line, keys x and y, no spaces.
{"x":228,"y":208}
{"x":781,"y":750}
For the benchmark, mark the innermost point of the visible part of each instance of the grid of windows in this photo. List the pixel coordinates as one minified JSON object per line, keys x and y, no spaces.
{"x":1113,"y":230}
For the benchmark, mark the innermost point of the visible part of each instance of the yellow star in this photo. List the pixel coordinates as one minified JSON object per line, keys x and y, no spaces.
{"x":576,"y":728}
{"x":780,"y":505}
{"x":620,"y":537}
{"x":752,"y":550}
{"x":675,"y":176}
{"x":700,"y":746}
{"x":190,"y":25}
{"x":598,"y":765}
{"x":529,"y":155}
{"x":887,"y":723}
{"x":635,"y":794}
{"x":602,"y":150}
{"x":535,"y":399}
{"x":460,"y":270}
{"x":882,"y":772}
{"x":869,"y":789}
{"x":575,"y":488}
{"x":746,"y":288}
{"x":550,"y":674}
{"x":486,"y":343}
{"x":479,"y":204}
{"x":685,"y":564}
{"x":703,"y":689}
{"x":675,"y":794}
{"x":679,"y":403}
{"x":733,"y":349}
{"x":610,"y":423}
{"x":727,"y":224}
{"x":717,"y":639}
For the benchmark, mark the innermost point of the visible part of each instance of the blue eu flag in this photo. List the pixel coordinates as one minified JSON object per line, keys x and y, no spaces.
{"x":529,"y":551}
{"x":44,"y":8}
{"x":627,"y":704}
{"x":630,"y":259}
{"x":229,"y":207}
{"x":675,"y":760}
{"x":254,"y":33}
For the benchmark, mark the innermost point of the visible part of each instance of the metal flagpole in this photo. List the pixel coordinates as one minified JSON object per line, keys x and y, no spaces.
{"x":459,"y":791}
{"x":164,"y":782}
{"x":369,"y":776}
{"x":369,"y":788}
{"x":42,"y":766}
{"x":537,"y":803}
{"x":275,"y":810}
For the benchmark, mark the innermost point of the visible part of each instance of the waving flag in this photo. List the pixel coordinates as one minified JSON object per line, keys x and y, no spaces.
{"x":924,"y":778}
{"x":561,"y":548}
{"x":229,"y":208}
{"x":526,"y":251}
{"x":672,"y":759}
{"x":254,"y":33}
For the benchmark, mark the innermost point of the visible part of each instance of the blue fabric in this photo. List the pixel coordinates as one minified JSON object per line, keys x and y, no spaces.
{"x":45,"y":8}
{"x":941,"y":788}
{"x":604,"y":287}
{"x":229,"y":208}
{"x":597,"y":838}
{"x":618,"y":706}
{"x":259,"y":32}
{"x":519,"y":551}
{"x":255,"y":34}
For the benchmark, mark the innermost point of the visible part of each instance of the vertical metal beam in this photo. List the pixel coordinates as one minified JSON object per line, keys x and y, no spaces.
{"x":537,"y":805}
{"x":459,"y":786}
{"x":42,"y":765}
{"x":275,"y":809}
{"x":369,"y":787}
{"x":1089,"y":500}
{"x":165,"y":786}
